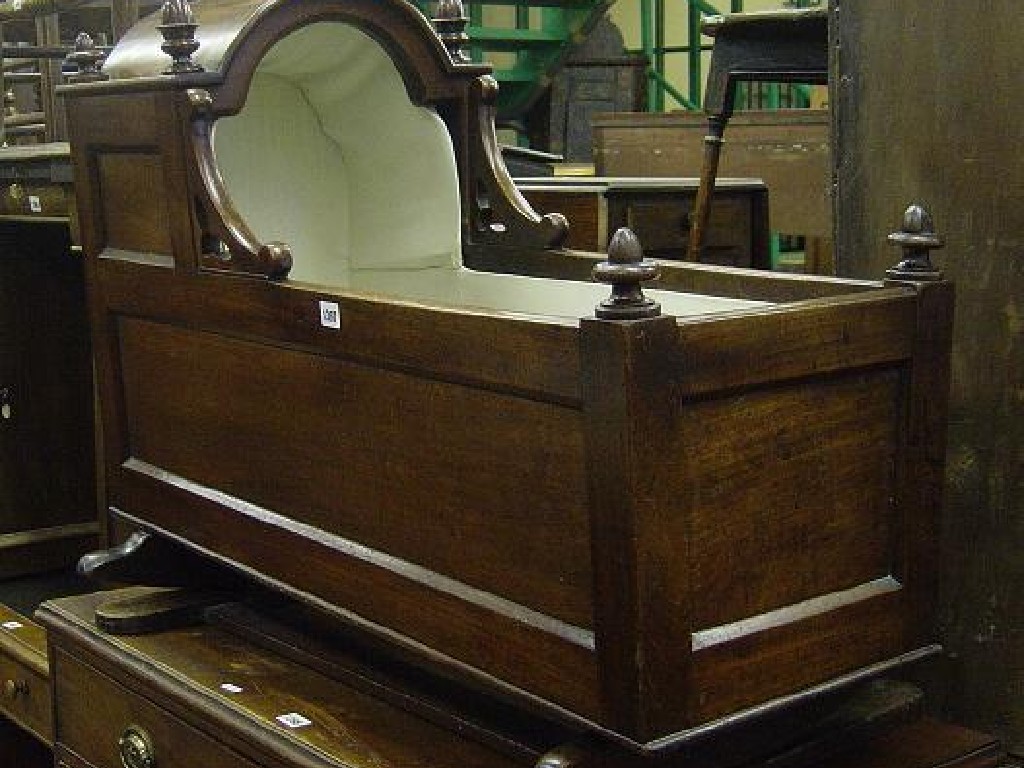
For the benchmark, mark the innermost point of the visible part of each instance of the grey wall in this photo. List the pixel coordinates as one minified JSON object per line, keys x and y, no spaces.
{"x":929,"y":106}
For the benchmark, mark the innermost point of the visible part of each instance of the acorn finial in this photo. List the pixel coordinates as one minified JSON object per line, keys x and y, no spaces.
{"x":86,"y":56}
{"x":917,"y":238}
{"x":451,"y":22}
{"x":179,"y":32}
{"x":624,"y":270}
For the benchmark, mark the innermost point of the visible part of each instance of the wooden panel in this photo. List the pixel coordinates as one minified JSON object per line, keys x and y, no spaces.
{"x":906,"y":132}
{"x":538,"y":360}
{"x":789,"y":493}
{"x":791,"y":342}
{"x":420,"y":469}
{"x":46,"y":430}
{"x":134,"y":202}
{"x":127,"y":118}
{"x":795,"y":652}
{"x":416,"y":613}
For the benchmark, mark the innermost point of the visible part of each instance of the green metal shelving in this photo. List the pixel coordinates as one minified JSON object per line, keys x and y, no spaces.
{"x":529,"y":40}
{"x":526,"y":41}
{"x":654,"y":47}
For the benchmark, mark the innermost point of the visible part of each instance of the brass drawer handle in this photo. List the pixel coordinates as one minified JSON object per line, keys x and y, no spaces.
{"x":15,"y":688}
{"x":136,"y":748}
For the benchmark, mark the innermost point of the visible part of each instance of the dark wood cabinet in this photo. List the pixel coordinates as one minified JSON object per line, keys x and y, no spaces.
{"x":659,"y":212}
{"x":48,"y":504}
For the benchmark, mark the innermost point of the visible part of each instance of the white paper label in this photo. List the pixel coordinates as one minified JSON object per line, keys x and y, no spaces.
{"x":294,"y":720}
{"x":35,"y":204}
{"x":12,"y":625}
{"x":231,"y":688}
{"x":330,"y":314}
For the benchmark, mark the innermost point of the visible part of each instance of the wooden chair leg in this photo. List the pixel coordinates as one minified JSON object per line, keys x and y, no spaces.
{"x":708,"y":174}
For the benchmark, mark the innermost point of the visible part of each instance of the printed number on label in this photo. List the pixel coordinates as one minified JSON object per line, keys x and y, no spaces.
{"x":330,"y":314}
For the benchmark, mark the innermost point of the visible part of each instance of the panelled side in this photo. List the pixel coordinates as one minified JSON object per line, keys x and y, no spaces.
{"x":792,"y":517}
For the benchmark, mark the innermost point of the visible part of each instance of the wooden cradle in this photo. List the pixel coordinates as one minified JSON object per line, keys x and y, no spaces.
{"x":648,"y":529}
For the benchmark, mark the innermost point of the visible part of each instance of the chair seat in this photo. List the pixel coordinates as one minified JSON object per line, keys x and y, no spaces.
{"x":789,"y":46}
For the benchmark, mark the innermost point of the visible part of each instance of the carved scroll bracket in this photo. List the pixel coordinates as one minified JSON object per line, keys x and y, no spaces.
{"x":625,"y":269}
{"x":918,"y":239}
{"x":226,"y":242}
{"x":499,"y":214}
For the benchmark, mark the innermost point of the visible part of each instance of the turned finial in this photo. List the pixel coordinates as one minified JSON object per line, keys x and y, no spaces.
{"x":451,"y":22}
{"x":86,"y":56}
{"x":918,"y":239}
{"x":624,"y":270}
{"x":179,"y":32}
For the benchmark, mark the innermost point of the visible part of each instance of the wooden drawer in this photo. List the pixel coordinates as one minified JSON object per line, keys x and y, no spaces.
{"x":34,"y":200}
{"x":662,"y":222}
{"x":24,"y":683}
{"x":95,"y":714}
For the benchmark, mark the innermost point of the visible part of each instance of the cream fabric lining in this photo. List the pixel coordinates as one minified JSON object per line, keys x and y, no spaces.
{"x":330,"y":156}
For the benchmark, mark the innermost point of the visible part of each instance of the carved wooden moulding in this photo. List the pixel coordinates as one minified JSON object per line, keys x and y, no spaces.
{"x":647,"y":515}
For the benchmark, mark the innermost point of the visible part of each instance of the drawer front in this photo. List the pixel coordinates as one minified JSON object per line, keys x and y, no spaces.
{"x":661,"y":224}
{"x":33,"y":199}
{"x":24,"y":685}
{"x":104,"y":725}
{"x":25,"y":698}
{"x":663,"y":227}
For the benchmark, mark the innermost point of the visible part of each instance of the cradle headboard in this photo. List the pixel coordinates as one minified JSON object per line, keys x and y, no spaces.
{"x":343,"y":134}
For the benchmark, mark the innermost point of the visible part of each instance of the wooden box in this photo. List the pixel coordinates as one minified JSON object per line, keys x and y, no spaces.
{"x":410,"y":419}
{"x":788,"y":149}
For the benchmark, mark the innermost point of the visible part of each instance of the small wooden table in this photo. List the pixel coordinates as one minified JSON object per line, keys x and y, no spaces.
{"x":788,"y":46}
